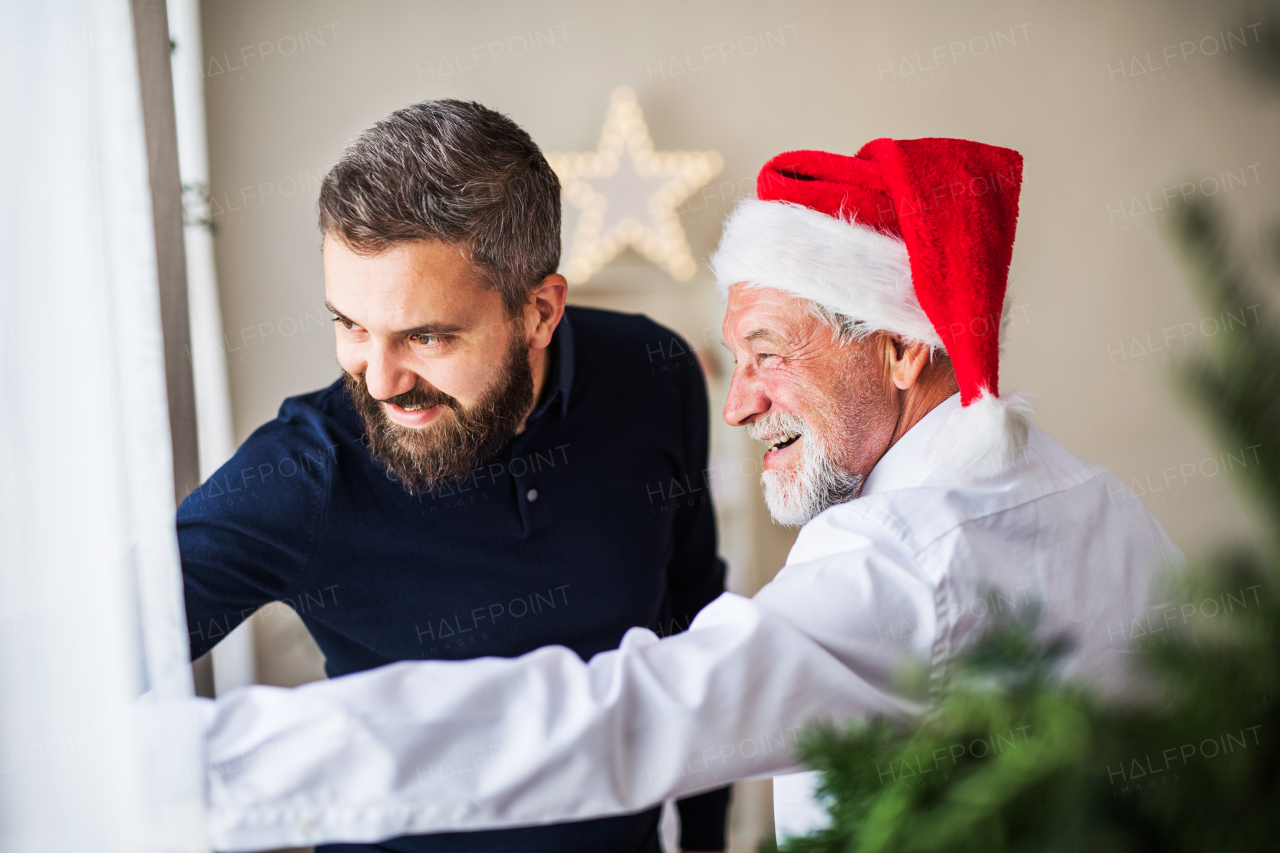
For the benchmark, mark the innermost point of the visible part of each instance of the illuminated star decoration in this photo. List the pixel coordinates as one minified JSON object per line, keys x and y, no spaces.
{"x":633,"y":203}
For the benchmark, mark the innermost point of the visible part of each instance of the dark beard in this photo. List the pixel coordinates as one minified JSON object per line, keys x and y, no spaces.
{"x":457,"y":440}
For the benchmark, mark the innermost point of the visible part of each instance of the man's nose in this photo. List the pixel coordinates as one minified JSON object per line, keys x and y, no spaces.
{"x":385,"y":375}
{"x":746,"y":402}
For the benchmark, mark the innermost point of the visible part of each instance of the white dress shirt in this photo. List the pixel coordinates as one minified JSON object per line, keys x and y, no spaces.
{"x":903,"y":572}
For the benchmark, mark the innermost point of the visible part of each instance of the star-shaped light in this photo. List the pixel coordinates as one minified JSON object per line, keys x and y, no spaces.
{"x":631,"y":200}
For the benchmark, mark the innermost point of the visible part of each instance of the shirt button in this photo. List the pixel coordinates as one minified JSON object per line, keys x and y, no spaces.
{"x":531,"y":495}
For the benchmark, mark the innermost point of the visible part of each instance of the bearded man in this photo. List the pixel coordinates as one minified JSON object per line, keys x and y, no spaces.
{"x":864,"y":306}
{"x":480,"y":480}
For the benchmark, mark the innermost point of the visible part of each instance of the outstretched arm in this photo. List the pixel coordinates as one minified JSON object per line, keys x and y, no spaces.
{"x":419,"y":747}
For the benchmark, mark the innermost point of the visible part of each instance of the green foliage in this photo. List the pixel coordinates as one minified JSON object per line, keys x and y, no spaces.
{"x":1012,"y":759}
{"x":1238,"y":384}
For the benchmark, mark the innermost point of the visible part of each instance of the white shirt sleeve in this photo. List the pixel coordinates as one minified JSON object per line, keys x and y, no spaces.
{"x":431,"y":746}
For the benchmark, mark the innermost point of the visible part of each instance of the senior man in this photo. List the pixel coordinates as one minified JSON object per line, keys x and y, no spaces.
{"x":864,"y":305}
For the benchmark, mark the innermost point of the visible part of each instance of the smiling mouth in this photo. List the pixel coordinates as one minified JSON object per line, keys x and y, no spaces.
{"x":785,"y":440}
{"x":415,"y":416}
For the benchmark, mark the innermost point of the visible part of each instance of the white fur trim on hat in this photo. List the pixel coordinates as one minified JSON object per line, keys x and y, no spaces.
{"x":845,"y":267}
{"x":985,"y":438}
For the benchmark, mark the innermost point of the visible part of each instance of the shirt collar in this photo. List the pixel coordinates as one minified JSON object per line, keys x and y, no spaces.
{"x":906,"y":464}
{"x":560,"y":372}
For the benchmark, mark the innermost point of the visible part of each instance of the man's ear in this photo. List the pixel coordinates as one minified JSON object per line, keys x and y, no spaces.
{"x":544,"y":309}
{"x":904,"y":362}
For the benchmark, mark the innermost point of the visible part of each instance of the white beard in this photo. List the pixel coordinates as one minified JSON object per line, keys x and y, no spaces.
{"x":797,"y":496}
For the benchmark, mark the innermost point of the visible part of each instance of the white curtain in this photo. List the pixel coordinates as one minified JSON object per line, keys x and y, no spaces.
{"x":91,"y":610}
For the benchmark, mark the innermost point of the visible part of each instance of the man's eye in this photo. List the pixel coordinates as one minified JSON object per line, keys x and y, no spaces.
{"x":345,"y":323}
{"x":427,"y":340}
{"x":761,"y":356}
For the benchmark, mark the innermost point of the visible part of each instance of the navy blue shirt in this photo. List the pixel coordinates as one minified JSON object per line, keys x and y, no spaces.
{"x":567,"y":535}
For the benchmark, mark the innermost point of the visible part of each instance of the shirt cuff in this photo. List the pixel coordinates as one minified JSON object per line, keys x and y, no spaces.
{"x":169,"y":736}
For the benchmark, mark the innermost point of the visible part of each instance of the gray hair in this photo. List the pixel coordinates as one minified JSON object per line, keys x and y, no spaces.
{"x":849,"y":329}
{"x":457,"y":172}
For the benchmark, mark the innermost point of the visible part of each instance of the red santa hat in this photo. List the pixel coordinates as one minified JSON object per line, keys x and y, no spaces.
{"x":912,"y":237}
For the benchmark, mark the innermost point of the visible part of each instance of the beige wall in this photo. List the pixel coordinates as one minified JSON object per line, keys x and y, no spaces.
{"x":1058,"y":82}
